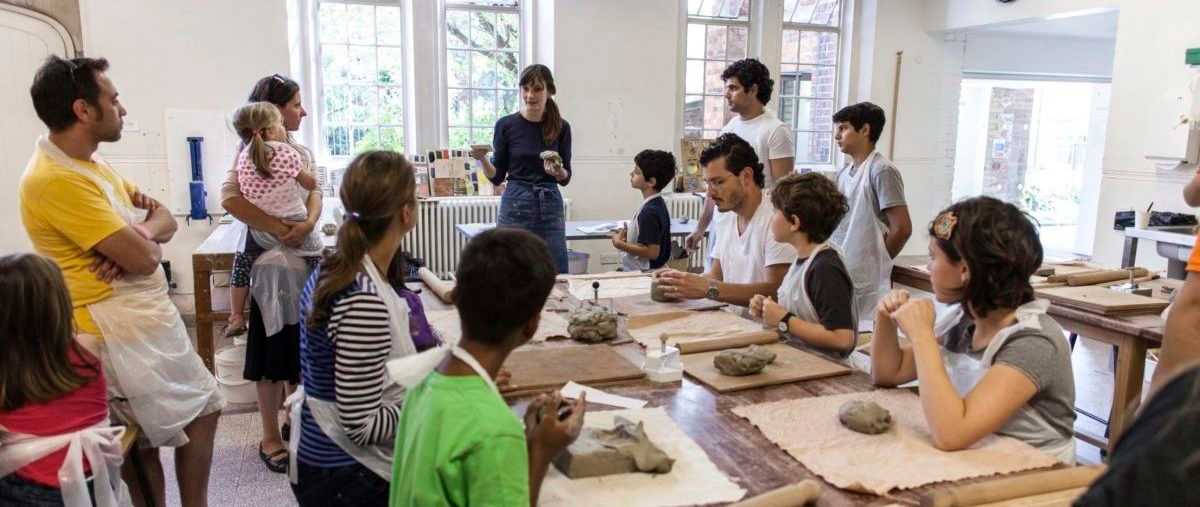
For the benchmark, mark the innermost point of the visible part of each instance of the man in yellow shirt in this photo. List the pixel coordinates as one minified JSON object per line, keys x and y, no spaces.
{"x":81,"y":213}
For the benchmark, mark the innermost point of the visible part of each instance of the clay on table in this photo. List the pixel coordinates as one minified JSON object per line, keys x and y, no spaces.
{"x":658,"y":293}
{"x":623,"y":449}
{"x":865,"y":417}
{"x":741,"y":362}
{"x":592,"y":324}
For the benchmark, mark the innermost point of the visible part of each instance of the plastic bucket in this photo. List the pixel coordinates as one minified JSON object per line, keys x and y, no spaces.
{"x":577,"y":262}
{"x":230,"y":362}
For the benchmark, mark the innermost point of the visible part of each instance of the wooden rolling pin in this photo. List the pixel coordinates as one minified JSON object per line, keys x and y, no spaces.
{"x":1103,"y":276}
{"x":1012,"y":487}
{"x":728,"y":342}
{"x":792,"y":495}
{"x":440,"y":287}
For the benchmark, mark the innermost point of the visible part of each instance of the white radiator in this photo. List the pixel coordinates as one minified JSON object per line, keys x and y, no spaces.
{"x":689,"y":205}
{"x":437,"y":241}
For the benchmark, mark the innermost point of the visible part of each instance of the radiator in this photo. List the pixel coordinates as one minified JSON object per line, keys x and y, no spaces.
{"x":437,"y":241}
{"x":689,"y":205}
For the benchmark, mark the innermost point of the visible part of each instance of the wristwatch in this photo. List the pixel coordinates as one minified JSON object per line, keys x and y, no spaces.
{"x":712,"y":292}
{"x":783,"y":323}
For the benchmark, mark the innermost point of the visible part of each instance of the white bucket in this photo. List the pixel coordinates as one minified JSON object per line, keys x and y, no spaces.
{"x":577,"y":262}
{"x":230,"y":362}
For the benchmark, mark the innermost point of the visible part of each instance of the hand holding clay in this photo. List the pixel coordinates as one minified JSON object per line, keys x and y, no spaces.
{"x":693,"y":240}
{"x":551,"y":435}
{"x":916,"y":318}
{"x":552,"y":163}
{"x":865,"y":417}
{"x":683,"y":285}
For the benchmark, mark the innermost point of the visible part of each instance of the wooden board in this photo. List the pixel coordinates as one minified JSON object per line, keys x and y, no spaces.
{"x":642,"y":305}
{"x":550,"y":368}
{"x":791,"y":365}
{"x":552,"y":326}
{"x":611,"y":287}
{"x":685,"y":326}
{"x":1102,"y":300}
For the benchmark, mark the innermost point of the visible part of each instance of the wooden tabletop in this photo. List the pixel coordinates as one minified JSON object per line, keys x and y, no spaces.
{"x":738,"y":448}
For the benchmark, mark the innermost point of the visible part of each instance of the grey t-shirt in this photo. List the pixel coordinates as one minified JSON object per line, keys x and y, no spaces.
{"x":886,"y":184}
{"x":1045,"y":357}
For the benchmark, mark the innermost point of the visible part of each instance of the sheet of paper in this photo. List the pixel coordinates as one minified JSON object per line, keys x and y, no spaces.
{"x":573,"y":390}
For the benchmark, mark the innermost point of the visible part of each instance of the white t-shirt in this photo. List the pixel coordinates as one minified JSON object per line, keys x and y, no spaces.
{"x":745,"y":257}
{"x":771,"y":139}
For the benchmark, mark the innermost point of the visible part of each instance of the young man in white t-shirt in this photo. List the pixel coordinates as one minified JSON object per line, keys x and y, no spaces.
{"x":748,"y":261}
{"x":748,"y":87}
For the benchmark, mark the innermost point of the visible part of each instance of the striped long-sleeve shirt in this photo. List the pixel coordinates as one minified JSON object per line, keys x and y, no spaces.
{"x":344,"y":362}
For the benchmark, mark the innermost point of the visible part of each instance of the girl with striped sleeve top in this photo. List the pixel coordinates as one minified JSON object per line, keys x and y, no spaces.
{"x":357,"y":314}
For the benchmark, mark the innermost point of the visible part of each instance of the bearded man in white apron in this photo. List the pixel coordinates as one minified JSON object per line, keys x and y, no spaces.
{"x":81,"y":213}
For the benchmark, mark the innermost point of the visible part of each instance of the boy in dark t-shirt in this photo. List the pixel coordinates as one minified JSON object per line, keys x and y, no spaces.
{"x":646,"y":243}
{"x":816,"y":299}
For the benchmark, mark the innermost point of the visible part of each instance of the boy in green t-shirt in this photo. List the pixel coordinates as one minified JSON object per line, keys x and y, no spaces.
{"x":457,"y":442}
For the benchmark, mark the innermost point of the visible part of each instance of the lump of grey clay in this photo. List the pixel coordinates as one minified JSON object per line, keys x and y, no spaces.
{"x":329,"y":229}
{"x":592,"y":324}
{"x":865,"y":417}
{"x":554,"y":159}
{"x":621,"y":450}
{"x":658,"y":293}
{"x":741,"y":362}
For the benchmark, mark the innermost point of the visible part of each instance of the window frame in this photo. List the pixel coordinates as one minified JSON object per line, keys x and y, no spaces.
{"x":322,"y":153}
{"x":706,"y":22}
{"x":443,"y":62}
{"x":835,"y":99}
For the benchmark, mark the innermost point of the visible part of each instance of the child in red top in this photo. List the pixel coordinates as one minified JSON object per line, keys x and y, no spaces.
{"x":50,"y":384}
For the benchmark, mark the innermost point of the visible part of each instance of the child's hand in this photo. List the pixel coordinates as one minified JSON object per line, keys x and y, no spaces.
{"x":772,"y":312}
{"x":618,"y":237}
{"x":890,"y":302}
{"x":552,"y":435}
{"x":916,"y":319}
{"x":756,"y":306}
{"x":503,"y":377}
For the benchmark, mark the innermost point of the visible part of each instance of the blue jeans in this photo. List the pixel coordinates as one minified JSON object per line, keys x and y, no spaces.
{"x":15,"y":491}
{"x":537,"y":208}
{"x":350,"y":486}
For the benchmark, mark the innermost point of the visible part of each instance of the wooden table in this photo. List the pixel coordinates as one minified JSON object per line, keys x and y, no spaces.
{"x":213,"y":255}
{"x":737,"y":448}
{"x":1131,"y":335}
{"x":680,"y":227}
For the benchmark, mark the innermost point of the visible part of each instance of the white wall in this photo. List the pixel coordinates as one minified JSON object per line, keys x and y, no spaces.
{"x":1024,"y":54}
{"x":942,"y":15}
{"x":189,"y":55}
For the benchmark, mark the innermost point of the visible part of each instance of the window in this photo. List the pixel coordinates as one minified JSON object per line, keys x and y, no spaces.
{"x":717,"y":35}
{"x":362,"y":78}
{"x":483,"y":48}
{"x":808,"y":76}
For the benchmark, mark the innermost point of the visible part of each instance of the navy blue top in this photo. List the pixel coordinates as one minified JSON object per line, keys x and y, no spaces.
{"x":654,"y":228}
{"x":517,"y":150}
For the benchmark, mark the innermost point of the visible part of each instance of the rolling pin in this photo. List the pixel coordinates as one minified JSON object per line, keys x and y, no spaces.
{"x":1103,"y":276}
{"x":440,"y":287}
{"x":1013,"y":487}
{"x":787,"y":496}
{"x":729,"y":342}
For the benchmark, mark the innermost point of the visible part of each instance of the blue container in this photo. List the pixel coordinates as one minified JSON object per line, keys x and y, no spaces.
{"x":196,"y":186}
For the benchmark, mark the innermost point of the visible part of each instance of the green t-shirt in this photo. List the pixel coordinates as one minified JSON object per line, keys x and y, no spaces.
{"x":458,"y":443}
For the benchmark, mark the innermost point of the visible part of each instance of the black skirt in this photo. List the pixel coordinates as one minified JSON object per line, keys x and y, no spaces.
{"x":271,"y":358}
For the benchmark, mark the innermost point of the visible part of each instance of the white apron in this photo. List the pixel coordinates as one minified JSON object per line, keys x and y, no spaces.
{"x":965,"y":371}
{"x":377,"y":458}
{"x":630,"y":262}
{"x":798,"y":301}
{"x":278,"y":277}
{"x":147,"y":351}
{"x":860,"y":235}
{"x":101,"y":444}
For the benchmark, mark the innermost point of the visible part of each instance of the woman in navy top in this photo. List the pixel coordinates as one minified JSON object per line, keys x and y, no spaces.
{"x":531,"y":198}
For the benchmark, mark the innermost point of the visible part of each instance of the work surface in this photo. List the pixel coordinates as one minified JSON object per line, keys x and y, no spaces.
{"x":679,"y":227}
{"x":737,"y":447}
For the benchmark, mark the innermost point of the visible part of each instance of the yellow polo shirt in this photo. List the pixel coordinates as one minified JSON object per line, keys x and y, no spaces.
{"x":66,"y":214}
{"x":1194,"y":260}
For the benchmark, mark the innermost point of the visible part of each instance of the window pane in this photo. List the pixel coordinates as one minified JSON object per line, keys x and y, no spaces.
{"x":508,"y":103}
{"x":333,"y":22}
{"x":736,"y":48}
{"x":693,"y":133}
{"x":458,"y":74}
{"x":712,"y":77}
{"x":735,"y":8}
{"x":483,"y":108}
{"x":715,"y":42}
{"x":333,"y":63}
{"x":508,"y":31}
{"x":818,"y":47}
{"x":802,"y":11}
{"x":391,"y":138}
{"x":461,"y":136}
{"x":364,"y":104}
{"x":460,"y":112}
{"x":362,"y":64}
{"x":506,"y":70}
{"x":814,"y":147}
{"x":693,"y":112}
{"x":481,"y":136}
{"x":791,"y":46}
{"x":391,"y":64}
{"x":695,"y":40}
{"x":337,"y":140}
{"x":483,"y":29}
{"x":824,"y":82}
{"x":337,"y":102}
{"x":787,"y":111}
{"x":391,"y":105}
{"x":714,"y":112}
{"x":694,"y":77}
{"x":388,"y":25}
{"x":457,"y":28}
{"x":483,"y":70}
{"x":789,"y":80}
{"x":361,"y":23}
{"x":364,"y":138}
